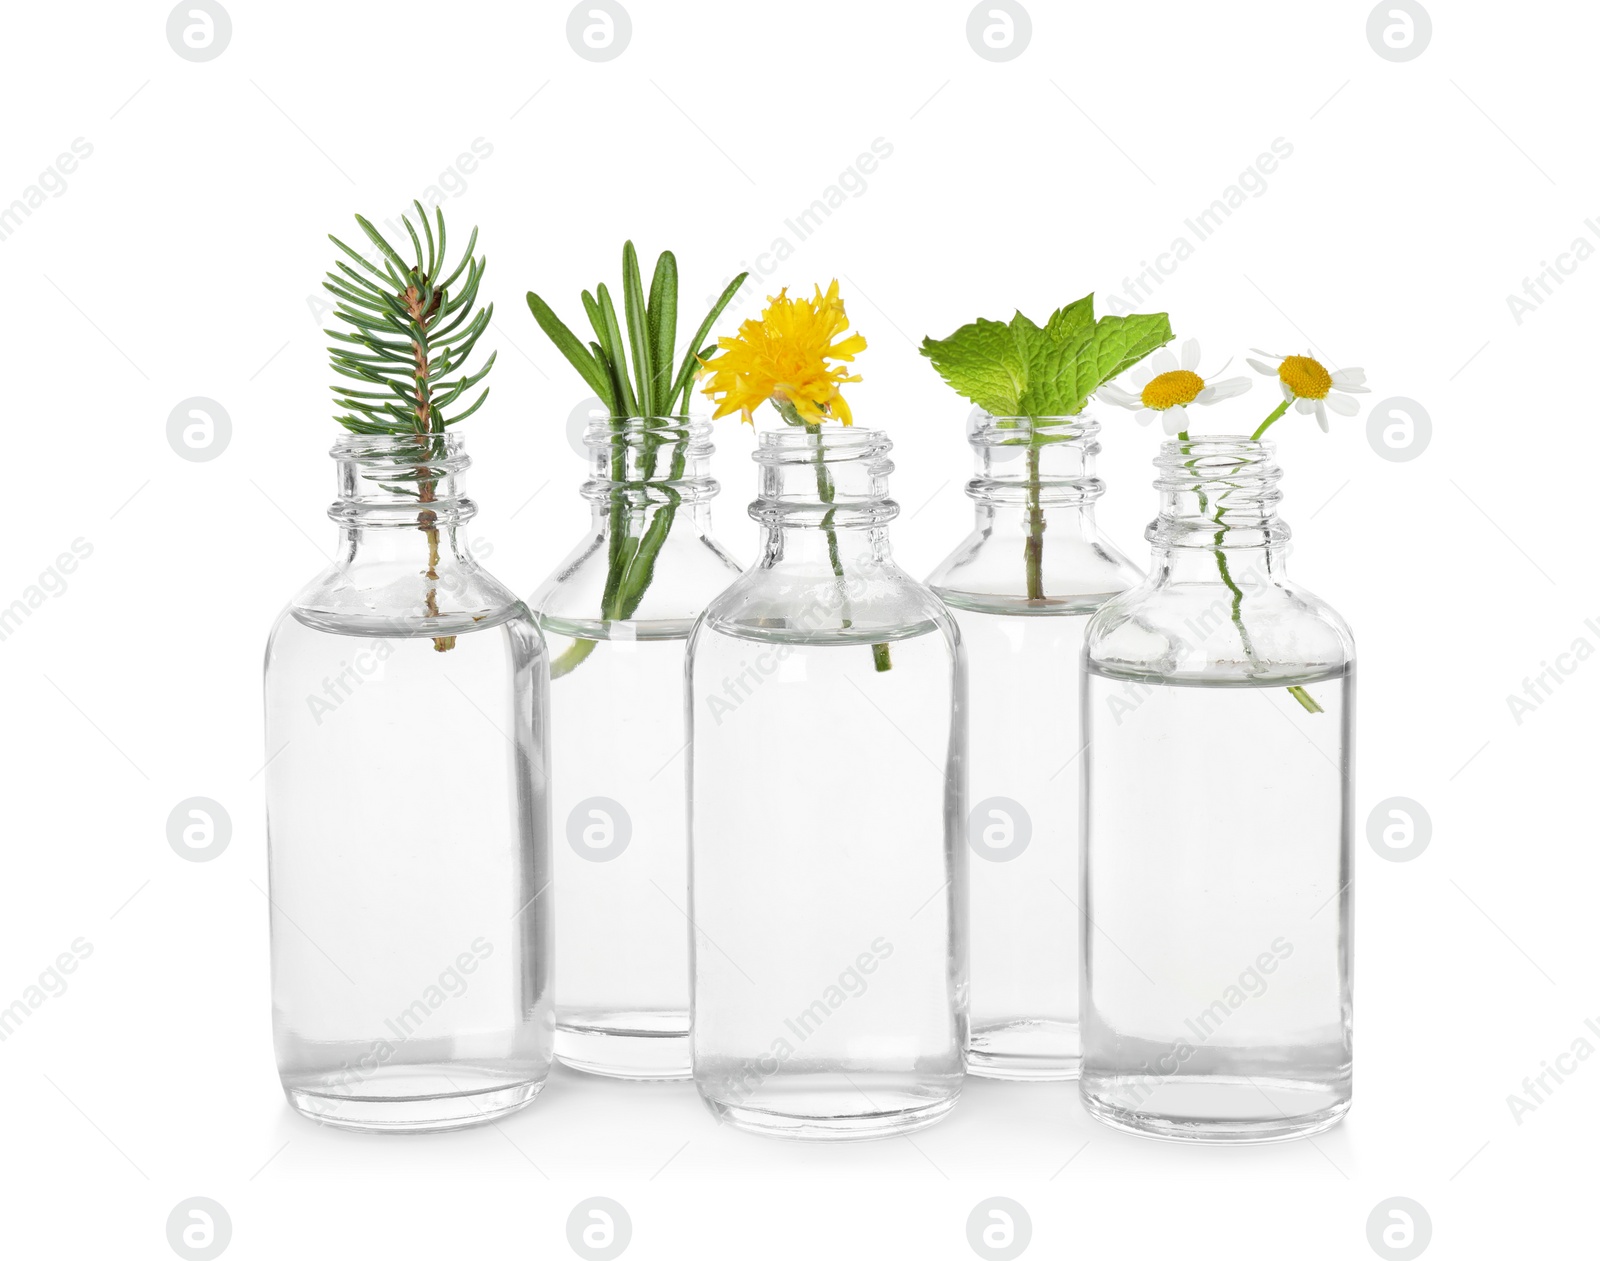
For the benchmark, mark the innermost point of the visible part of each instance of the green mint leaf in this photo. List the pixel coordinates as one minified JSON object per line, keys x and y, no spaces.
{"x":981,"y":362}
{"x":1062,"y":378}
{"x":1071,"y":319}
{"x":1020,"y":369}
{"x":1122,"y":340}
{"x":1053,"y":373}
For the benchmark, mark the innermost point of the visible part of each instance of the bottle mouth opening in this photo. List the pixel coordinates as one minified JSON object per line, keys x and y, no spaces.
{"x":604,"y":432}
{"x":1234,"y":445}
{"x":794,"y":445}
{"x":986,"y":428}
{"x":444,"y":452}
{"x":991,"y":433}
{"x":1185,"y":463}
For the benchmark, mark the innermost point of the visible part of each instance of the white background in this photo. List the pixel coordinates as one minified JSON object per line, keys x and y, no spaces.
{"x":179,"y":259}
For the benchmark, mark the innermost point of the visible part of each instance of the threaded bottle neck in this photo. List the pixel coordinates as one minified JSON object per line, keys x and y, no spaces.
{"x":1047,"y":460}
{"x":836,"y":477}
{"x":648,"y":459}
{"x":1218,"y":492}
{"x":411,"y":481}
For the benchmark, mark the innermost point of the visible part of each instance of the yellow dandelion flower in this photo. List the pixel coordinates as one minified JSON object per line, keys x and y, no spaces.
{"x":784,"y":358}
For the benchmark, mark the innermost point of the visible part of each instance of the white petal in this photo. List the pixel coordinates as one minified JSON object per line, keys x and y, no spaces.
{"x":1266,"y":370}
{"x":1118,"y":397}
{"x":1305,"y":406}
{"x":1322,"y":416}
{"x":1144,"y":415}
{"x":1267,"y":354}
{"x":1352,"y":389}
{"x":1288,"y":394}
{"x":1344,"y":406}
{"x":1175,"y":420}
{"x":1164,"y":361}
{"x":1219,"y":390}
{"x":1190,"y":359}
{"x":1350,"y":376}
{"x":1139,"y":375}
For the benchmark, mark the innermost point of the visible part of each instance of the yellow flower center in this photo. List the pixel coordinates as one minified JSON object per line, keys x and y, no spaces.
{"x":1305,"y":376}
{"x":1172,"y":389}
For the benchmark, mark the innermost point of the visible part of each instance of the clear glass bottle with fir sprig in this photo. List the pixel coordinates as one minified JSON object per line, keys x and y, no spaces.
{"x":617,"y":614}
{"x":406,"y":754}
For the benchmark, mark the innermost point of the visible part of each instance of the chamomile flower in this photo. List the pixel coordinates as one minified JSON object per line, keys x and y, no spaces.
{"x":1169,"y":385}
{"x":1310,"y":386}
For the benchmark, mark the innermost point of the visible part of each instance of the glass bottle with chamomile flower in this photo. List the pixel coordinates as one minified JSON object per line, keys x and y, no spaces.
{"x":827,"y":727}
{"x":1021,"y":587}
{"x":1218,"y":722}
{"x":405,"y":720}
{"x":617,"y":613}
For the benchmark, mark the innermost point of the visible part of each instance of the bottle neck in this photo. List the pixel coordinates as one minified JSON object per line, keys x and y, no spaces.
{"x":824,"y":496}
{"x":637,"y":463}
{"x":403,"y":565}
{"x":393,"y":488}
{"x":1034,"y":467}
{"x":1218,"y":495}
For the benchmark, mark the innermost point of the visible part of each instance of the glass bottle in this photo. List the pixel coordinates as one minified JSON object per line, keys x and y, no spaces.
{"x":1022,"y":588}
{"x":617,"y":615}
{"x":1217,"y":715}
{"x":406,"y":813}
{"x":826,"y":787}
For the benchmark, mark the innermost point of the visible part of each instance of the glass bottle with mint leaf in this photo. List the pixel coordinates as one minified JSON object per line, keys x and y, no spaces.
{"x":405,"y":721}
{"x":617,"y":613}
{"x":1022,"y":587}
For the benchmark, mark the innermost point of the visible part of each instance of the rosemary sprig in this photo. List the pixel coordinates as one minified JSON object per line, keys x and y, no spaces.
{"x":412,"y":331}
{"x":633,"y":376}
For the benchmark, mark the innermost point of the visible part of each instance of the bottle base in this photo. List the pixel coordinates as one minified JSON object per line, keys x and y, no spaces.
{"x":632,"y":1046}
{"x":1216,"y":1109}
{"x":839,"y":1128}
{"x":398,"y":1113}
{"x":1025,"y":1050}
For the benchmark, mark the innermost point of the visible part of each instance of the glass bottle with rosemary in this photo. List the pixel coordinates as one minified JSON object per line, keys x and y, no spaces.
{"x":617,"y":613}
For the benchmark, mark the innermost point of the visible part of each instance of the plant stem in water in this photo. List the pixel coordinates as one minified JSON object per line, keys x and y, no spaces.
{"x":1305,"y":699}
{"x":1033,"y":549}
{"x":631,"y":562}
{"x":880,"y":652}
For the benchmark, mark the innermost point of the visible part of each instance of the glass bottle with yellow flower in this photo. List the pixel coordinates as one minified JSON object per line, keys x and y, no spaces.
{"x":1022,"y":587}
{"x":1218,"y":717}
{"x":617,"y":614}
{"x":826,"y":776}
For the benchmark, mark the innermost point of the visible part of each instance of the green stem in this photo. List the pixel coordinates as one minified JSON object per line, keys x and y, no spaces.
{"x":1033,"y":549}
{"x":630,"y":564}
{"x":880,"y":652}
{"x":1305,"y":699}
{"x":1268,"y":422}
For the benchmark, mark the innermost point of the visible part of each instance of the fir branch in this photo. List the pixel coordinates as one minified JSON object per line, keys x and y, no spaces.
{"x":412,"y":332}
